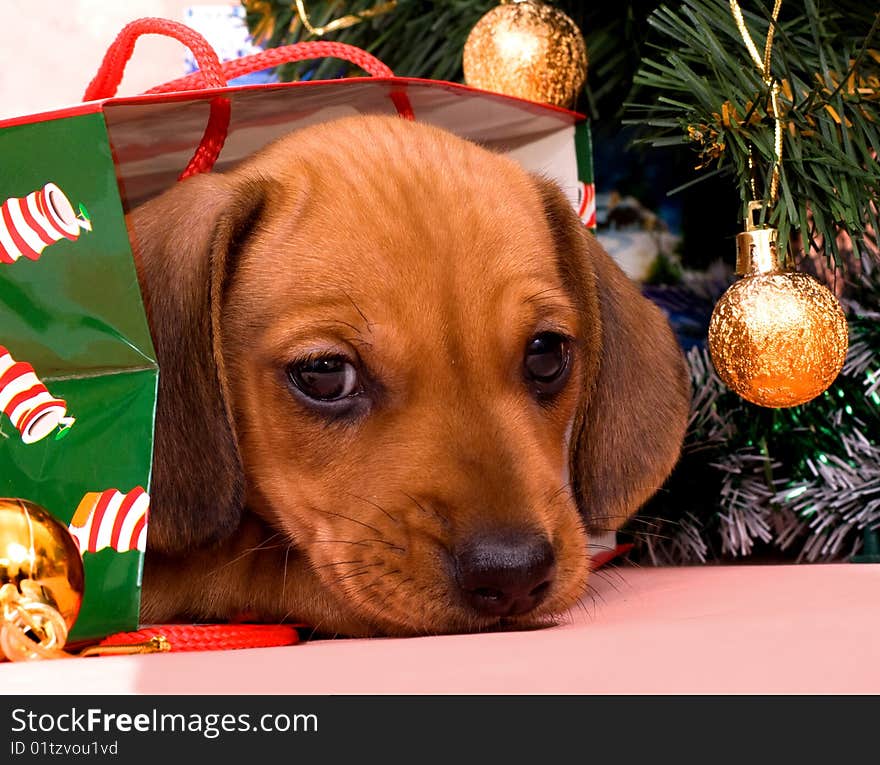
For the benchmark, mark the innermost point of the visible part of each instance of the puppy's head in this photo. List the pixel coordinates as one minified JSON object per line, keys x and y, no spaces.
{"x":408,"y":355}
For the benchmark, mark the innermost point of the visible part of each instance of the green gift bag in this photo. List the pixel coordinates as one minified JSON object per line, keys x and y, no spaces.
{"x":78,"y":373}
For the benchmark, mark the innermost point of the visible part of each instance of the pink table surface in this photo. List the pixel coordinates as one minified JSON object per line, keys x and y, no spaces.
{"x":713,"y":629}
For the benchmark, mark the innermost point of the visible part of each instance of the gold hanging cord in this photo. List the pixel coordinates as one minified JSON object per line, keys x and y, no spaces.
{"x":345,"y":21}
{"x":764,"y":69}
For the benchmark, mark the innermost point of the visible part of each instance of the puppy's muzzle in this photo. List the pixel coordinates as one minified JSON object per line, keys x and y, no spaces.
{"x":504,"y":573}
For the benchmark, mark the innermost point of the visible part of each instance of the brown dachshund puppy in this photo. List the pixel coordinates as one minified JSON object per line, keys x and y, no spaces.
{"x":399,"y":385}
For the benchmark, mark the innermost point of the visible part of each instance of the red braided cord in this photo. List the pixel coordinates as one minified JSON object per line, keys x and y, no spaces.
{"x":212,"y":139}
{"x":106,"y":81}
{"x":210,"y":637}
{"x":286,"y":54}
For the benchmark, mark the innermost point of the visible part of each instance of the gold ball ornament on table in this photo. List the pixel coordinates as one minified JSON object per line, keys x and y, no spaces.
{"x":41,"y":582}
{"x":777,"y":337}
{"x":527,"y":49}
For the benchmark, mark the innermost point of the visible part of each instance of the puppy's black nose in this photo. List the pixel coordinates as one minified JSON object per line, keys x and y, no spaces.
{"x":505,"y":573}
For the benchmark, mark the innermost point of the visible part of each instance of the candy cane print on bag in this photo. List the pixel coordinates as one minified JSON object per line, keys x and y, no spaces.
{"x":111,"y":519}
{"x":31,"y":223}
{"x":586,"y":208}
{"x":24,"y":398}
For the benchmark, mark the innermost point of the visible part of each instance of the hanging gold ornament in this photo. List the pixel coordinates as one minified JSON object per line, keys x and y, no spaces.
{"x":777,"y":337}
{"x":41,"y":582}
{"x":527,"y":49}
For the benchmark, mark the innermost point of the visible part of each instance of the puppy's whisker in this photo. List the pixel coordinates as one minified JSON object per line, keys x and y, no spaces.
{"x":565,"y":488}
{"x":619,"y":573}
{"x":315,"y":628}
{"x":594,"y":593}
{"x":583,"y":606}
{"x":284,"y":574}
{"x":651,"y":520}
{"x":362,"y":571}
{"x":594,"y":527}
{"x":312,"y":631}
{"x":359,"y":342}
{"x":362,"y":314}
{"x":285,"y":617}
{"x":353,"y":520}
{"x":367,"y":589}
{"x":377,"y":506}
{"x":352,"y":327}
{"x":549,"y":306}
{"x":609,"y":570}
{"x":642,"y":534}
{"x":361,"y":542}
{"x":392,"y":572}
{"x":644,"y":529}
{"x":382,"y":609}
{"x":266,"y":541}
{"x":376,"y":580}
{"x":550,"y":290}
{"x":558,"y":618}
{"x":389,"y":545}
{"x":431,"y":513}
{"x":264,"y":545}
{"x":337,"y":563}
{"x":604,"y":578}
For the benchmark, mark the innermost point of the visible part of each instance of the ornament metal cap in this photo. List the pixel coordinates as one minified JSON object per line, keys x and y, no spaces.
{"x":757,"y":248}
{"x":757,"y":252}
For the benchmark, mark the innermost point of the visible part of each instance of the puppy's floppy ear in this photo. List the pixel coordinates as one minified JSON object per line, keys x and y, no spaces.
{"x":185,"y":243}
{"x":628,"y":432}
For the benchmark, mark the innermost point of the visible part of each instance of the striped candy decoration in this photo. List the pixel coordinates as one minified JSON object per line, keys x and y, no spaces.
{"x":587,"y":203}
{"x":24,"y":398}
{"x":30,"y":224}
{"x":111,"y":519}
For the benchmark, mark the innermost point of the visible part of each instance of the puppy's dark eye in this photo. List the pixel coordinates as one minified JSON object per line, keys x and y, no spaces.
{"x":326,"y":378}
{"x":546,"y":362}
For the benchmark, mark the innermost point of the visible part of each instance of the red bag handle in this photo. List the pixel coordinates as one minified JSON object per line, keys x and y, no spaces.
{"x":284,"y":54}
{"x":109,"y":75}
{"x":214,"y":74}
{"x":287,"y":54}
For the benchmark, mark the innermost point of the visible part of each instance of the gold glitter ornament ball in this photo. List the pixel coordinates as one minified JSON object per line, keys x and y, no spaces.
{"x":778,"y":339}
{"x":40,"y":558}
{"x":527,"y":49}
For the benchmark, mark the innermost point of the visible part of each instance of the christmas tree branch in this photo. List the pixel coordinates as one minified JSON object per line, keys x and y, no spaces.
{"x":830,"y":103}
